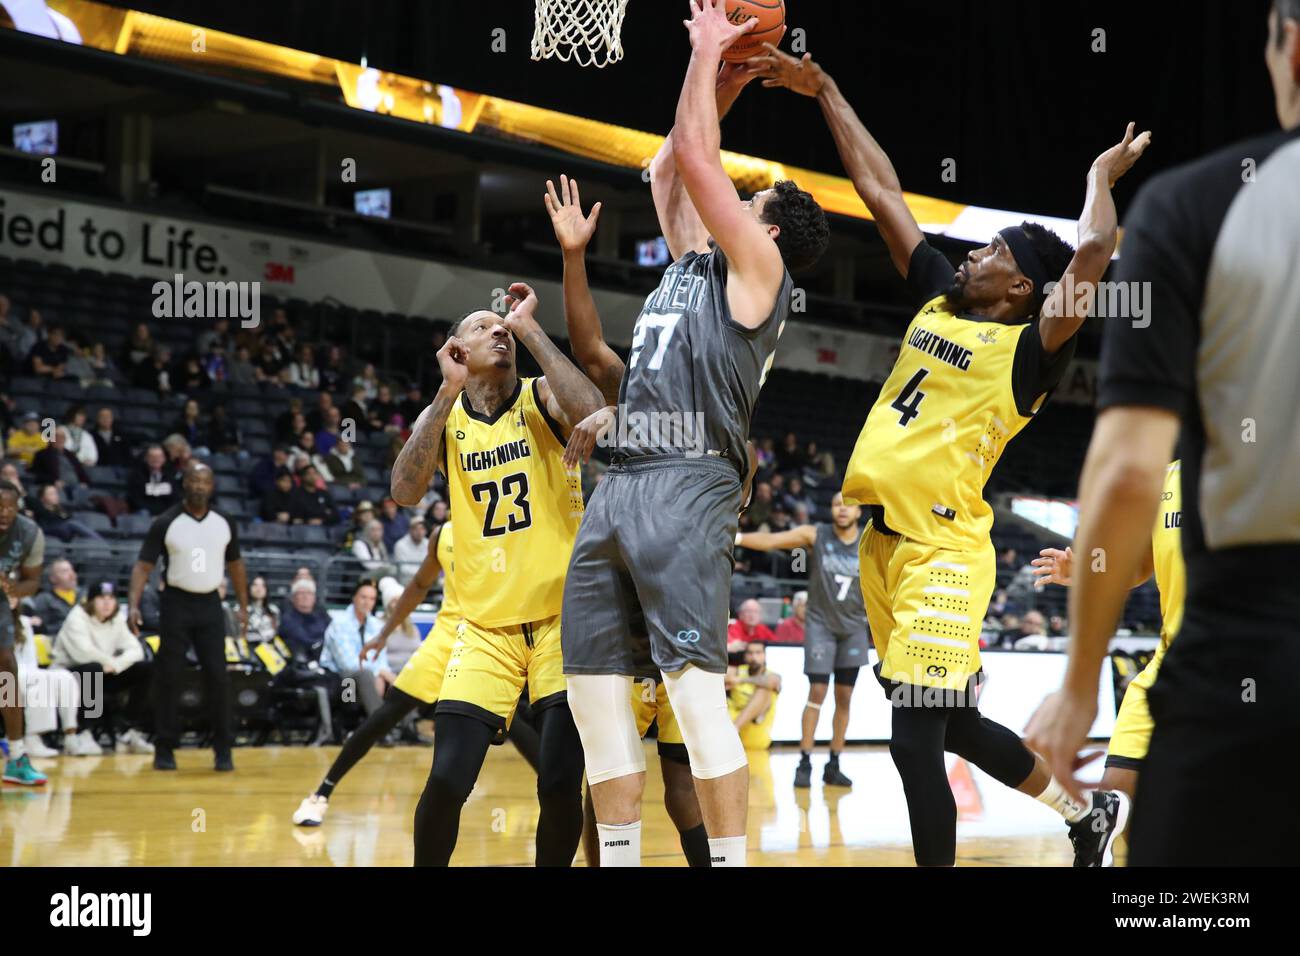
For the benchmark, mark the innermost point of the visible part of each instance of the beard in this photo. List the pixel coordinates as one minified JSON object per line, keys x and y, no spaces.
{"x":955,"y":295}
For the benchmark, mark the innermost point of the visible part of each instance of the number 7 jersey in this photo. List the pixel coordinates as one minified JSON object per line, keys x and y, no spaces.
{"x":942,"y":421}
{"x":516,"y":506}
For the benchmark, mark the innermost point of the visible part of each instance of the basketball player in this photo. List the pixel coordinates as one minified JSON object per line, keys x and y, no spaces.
{"x":22,"y":559}
{"x":418,"y":683}
{"x":835,"y":638}
{"x":659,"y":530}
{"x":985,"y":348}
{"x":1094,"y":837}
{"x":752,"y":691}
{"x":500,"y":439}
{"x":650,"y":703}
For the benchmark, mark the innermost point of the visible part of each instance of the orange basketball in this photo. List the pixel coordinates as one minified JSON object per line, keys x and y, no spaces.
{"x":770,"y":15}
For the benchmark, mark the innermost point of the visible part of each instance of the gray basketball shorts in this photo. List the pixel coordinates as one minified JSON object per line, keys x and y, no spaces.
{"x":825,"y":652}
{"x":649,"y":583}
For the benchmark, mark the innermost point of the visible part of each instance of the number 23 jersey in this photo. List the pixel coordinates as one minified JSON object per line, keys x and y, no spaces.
{"x":516,"y":507}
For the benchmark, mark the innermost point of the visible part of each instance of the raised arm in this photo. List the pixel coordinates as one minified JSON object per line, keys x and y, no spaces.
{"x":866,"y":163}
{"x":678,"y":221}
{"x":418,"y":461}
{"x":804,"y":536}
{"x":1061,"y":317}
{"x":755,"y":266}
{"x":573,"y":231}
{"x":569,"y":395}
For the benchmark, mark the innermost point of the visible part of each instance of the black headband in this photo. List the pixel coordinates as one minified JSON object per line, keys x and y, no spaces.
{"x":1027,"y":259}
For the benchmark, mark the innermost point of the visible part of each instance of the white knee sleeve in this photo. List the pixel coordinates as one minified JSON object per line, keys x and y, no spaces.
{"x":700,"y":702}
{"x":602,"y":710}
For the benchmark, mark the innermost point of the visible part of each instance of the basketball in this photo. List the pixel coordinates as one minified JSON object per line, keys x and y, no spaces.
{"x":770,"y":15}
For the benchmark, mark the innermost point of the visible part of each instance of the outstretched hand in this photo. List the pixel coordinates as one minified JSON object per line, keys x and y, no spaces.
{"x":587,"y":434}
{"x":573,"y":230}
{"x":802,"y":76}
{"x":711,"y":32}
{"x":522,"y":303}
{"x":1119,"y":159}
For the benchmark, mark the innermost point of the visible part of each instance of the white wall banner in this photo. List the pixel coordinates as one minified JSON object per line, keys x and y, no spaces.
{"x":117,"y":239}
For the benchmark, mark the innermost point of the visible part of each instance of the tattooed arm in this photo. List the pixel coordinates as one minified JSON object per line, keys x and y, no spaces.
{"x":415,"y":466}
{"x":569,"y":395}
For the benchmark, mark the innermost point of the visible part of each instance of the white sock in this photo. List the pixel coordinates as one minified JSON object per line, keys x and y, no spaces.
{"x":727,"y":851}
{"x":17,"y":748}
{"x":1055,"y":796}
{"x":620,"y":845}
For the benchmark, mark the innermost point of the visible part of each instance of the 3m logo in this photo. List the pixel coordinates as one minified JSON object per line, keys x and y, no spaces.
{"x":278,"y":272}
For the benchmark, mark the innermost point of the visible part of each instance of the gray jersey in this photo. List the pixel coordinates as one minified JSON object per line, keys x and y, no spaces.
{"x":694,"y":374}
{"x":22,"y":546}
{"x":834,"y":594}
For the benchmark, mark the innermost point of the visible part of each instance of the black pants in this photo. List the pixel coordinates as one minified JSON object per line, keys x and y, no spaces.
{"x":135,"y":680}
{"x":460,"y":744}
{"x":192,"y":620}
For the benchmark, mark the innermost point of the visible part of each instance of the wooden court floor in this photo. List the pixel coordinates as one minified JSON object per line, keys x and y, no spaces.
{"x":117,"y":811}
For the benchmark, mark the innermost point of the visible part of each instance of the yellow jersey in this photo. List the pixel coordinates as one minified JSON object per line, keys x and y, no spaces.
{"x":1167,"y":554}
{"x":754,"y":735}
{"x":942,"y":420}
{"x":517,"y":507}
{"x":447,"y":561}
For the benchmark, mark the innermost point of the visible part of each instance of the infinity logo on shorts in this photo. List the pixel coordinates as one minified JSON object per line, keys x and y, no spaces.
{"x":688,"y":637}
{"x":936,"y":670}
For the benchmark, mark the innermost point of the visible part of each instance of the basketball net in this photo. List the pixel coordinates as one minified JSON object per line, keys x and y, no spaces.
{"x":586,"y":31}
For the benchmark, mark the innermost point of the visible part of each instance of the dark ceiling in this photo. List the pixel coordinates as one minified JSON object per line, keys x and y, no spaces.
{"x":1010,"y":89}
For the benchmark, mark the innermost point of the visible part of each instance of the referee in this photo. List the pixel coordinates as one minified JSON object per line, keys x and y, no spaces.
{"x":1217,"y":242}
{"x":198,"y":546}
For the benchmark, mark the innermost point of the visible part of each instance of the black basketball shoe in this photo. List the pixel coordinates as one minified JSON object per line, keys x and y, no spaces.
{"x":1094,"y":836}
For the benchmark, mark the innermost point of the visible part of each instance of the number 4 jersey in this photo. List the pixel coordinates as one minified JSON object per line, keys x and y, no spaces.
{"x":516,"y":507}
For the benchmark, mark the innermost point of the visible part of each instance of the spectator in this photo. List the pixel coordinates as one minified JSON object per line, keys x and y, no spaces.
{"x":10,"y":335}
{"x":189,"y":425}
{"x":304,"y":451}
{"x":748,"y":625}
{"x":395,"y":521}
{"x":385,"y":411}
{"x":29,"y":334}
{"x":155,"y":373}
{"x":222,"y":434}
{"x":405,"y":638}
{"x":48,"y":608}
{"x":302,"y":371}
{"x":191,"y":378}
{"x":342,"y":466}
{"x":412,"y":405}
{"x":302,"y":622}
{"x":316,"y":419}
{"x":49,"y":356}
{"x":343,"y":642}
{"x":138,"y":350}
{"x":56,"y":521}
{"x":410,"y":550}
{"x":790,"y":458}
{"x":50,"y":694}
{"x":279,"y":502}
{"x":368,"y":382}
{"x":796,"y":496}
{"x":154,"y":486}
{"x":55,"y":465}
{"x":9,"y":473}
{"x":26,"y":440}
{"x":820,"y":463}
{"x":263,"y":618}
{"x":766,"y":450}
{"x":287,"y":424}
{"x":1057,"y":626}
{"x":333,"y":374}
{"x":81,"y":443}
{"x":437,"y":516}
{"x":790,"y":630}
{"x":95,"y":639}
{"x":178,"y":451}
{"x":356,"y":409}
{"x":111,"y":445}
{"x":216,"y":337}
{"x":372,"y":552}
{"x":240,"y":369}
{"x":263,"y":477}
{"x":215,"y":365}
{"x":362,"y":515}
{"x":315,"y":504}
{"x":329,"y":433}
{"x":103,"y":369}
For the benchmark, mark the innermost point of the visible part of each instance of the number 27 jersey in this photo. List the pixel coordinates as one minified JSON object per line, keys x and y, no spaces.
{"x":516,"y":507}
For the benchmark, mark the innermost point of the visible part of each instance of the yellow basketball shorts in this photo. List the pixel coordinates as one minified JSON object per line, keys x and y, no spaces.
{"x":1133,"y":725}
{"x":490,"y":666}
{"x":421,"y":675}
{"x":925,"y":606}
{"x":650,"y":703}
